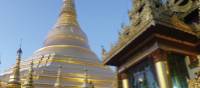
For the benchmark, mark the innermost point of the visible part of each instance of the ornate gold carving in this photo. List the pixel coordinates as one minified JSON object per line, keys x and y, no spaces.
{"x":159,"y":55}
{"x":195,"y":83}
{"x":141,"y":17}
{"x":180,"y":5}
{"x":197,"y":28}
{"x":181,"y":25}
{"x":194,"y":61}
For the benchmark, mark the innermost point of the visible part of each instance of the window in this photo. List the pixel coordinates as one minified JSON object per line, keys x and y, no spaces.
{"x":143,"y":75}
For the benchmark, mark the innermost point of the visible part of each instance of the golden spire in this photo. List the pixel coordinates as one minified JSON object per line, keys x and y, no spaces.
{"x":68,"y":14}
{"x":29,"y":81}
{"x":58,"y":80}
{"x":103,"y":53}
{"x":14,"y":81}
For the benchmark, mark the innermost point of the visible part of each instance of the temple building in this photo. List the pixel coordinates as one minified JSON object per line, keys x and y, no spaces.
{"x":160,"y":48}
{"x":67,"y":46}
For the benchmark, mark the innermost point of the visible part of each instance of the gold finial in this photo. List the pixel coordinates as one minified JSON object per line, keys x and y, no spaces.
{"x":68,"y":14}
{"x":103,"y":52}
{"x":29,"y":81}
{"x":58,"y":80}
{"x":14,"y":80}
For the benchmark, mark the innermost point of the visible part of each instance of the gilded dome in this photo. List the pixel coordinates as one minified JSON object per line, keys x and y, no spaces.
{"x":66,"y":38}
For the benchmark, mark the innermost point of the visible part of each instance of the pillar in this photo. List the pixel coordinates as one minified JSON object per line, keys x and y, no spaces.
{"x":162,"y":69}
{"x":125,"y":81}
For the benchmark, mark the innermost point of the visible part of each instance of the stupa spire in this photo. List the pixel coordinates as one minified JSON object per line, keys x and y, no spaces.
{"x":58,"y":80}
{"x":68,"y":14}
{"x":14,"y":80}
{"x":29,"y":81}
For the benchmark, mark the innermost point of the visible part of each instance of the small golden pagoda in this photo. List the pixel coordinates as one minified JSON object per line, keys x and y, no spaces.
{"x":14,"y":81}
{"x":29,"y":80}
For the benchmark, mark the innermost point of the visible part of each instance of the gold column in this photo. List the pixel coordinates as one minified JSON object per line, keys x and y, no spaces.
{"x":125,"y":81}
{"x":162,"y":69}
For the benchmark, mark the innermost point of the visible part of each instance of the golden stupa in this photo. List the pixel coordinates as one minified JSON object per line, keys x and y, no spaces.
{"x":66,"y":45}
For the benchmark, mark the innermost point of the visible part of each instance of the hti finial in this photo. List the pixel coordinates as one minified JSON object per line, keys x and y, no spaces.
{"x":103,"y":52}
{"x":19,"y":51}
{"x":20,"y":43}
{"x":0,"y":59}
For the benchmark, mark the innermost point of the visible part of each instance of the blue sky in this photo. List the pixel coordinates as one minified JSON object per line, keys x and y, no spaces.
{"x":32,"y":19}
